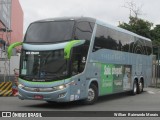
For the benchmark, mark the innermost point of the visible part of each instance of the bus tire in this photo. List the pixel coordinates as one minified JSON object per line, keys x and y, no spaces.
{"x":135,"y":88}
{"x":92,"y":95}
{"x":140,"y":87}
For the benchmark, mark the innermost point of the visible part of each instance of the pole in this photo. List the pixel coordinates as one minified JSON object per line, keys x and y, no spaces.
{"x":158,"y":69}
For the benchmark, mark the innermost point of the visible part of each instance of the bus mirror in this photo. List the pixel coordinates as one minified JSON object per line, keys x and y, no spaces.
{"x":70,"y":45}
{"x":10,"y":48}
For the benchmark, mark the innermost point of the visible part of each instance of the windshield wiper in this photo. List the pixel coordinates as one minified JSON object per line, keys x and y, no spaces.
{"x":53,"y":75}
{"x":29,"y":77}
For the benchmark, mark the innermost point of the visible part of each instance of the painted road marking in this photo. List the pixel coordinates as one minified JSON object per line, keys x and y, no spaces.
{"x":151,"y":92}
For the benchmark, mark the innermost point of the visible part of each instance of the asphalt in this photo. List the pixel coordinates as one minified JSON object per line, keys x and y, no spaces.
{"x":149,"y":100}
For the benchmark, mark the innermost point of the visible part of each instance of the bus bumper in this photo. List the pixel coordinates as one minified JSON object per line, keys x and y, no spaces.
{"x":57,"y":96}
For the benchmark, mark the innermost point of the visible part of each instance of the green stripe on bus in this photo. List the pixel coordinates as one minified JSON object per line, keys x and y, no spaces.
{"x":106,"y":85}
{"x":69,"y":46}
{"x":41,"y":82}
{"x":13,"y":46}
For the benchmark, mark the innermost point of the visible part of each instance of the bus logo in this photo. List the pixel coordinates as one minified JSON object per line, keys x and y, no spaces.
{"x":37,"y":90}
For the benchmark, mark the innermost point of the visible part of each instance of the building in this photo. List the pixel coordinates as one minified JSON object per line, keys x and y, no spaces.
{"x":11,"y":21}
{"x":11,"y":30}
{"x":16,"y":21}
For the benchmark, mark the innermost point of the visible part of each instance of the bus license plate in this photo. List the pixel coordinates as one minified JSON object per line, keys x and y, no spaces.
{"x":38,"y":96}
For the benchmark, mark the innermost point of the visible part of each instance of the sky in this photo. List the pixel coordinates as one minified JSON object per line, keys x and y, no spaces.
{"x":109,"y":11}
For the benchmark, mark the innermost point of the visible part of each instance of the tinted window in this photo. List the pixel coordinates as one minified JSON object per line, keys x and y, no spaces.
{"x":79,"y":57}
{"x":49,"y":32}
{"x":140,"y":46}
{"x":148,"y":47}
{"x":125,"y":41}
{"x":105,"y":38}
{"x":83,"y":30}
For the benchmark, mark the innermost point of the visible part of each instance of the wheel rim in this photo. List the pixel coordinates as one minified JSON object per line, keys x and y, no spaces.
{"x":135,"y":88}
{"x":140,"y":86}
{"x":91,"y":94}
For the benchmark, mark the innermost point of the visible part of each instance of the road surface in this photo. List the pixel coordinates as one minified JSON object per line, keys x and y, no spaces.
{"x":149,"y":100}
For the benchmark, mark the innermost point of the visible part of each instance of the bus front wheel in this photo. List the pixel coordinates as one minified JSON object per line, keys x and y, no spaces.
{"x":92,"y":95}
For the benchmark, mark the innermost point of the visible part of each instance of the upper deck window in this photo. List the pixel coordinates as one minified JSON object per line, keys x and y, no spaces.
{"x":49,"y":32}
{"x":84,"y":30}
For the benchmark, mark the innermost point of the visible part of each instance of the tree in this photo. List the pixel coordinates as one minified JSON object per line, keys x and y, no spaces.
{"x":138,"y":26}
{"x":133,"y":8}
{"x":155,"y":33}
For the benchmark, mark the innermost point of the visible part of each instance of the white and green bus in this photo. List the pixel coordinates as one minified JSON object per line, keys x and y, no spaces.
{"x":81,"y":58}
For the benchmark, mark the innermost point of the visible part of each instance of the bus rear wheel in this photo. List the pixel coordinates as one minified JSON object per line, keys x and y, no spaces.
{"x":92,"y":95}
{"x":135,"y":88}
{"x":140,"y":87}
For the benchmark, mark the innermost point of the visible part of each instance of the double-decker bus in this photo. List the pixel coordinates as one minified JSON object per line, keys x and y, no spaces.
{"x":81,"y":58}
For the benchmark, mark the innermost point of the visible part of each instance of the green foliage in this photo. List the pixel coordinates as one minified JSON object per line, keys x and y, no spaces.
{"x":156,"y":35}
{"x":138,"y":26}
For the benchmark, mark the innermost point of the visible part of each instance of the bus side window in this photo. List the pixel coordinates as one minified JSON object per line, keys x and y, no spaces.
{"x":78,"y":59}
{"x":105,"y":39}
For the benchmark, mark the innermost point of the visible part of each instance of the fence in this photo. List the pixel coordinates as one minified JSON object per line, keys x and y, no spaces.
{"x":155,"y":73}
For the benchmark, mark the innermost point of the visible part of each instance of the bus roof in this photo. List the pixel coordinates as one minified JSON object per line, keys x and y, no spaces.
{"x":89,"y":19}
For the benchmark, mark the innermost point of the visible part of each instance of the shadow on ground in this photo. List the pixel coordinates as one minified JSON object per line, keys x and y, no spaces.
{"x":75,"y":104}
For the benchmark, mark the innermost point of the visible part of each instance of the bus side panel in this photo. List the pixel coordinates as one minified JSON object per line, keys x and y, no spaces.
{"x":117,"y":70}
{"x":148,"y":71}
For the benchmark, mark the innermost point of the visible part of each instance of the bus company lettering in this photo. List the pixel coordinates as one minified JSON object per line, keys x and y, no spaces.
{"x":117,"y":56}
{"x":117,"y":71}
{"x":118,"y":82}
{"x":32,"y":53}
{"x":112,"y":71}
{"x":107,"y":70}
{"x":106,"y":84}
{"x":127,"y":70}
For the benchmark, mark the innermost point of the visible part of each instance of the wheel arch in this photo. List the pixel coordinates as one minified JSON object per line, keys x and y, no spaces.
{"x":95,"y":82}
{"x":135,"y":79}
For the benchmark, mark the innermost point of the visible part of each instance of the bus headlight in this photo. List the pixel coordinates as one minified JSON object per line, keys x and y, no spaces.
{"x":20,"y":86}
{"x":60,"y":87}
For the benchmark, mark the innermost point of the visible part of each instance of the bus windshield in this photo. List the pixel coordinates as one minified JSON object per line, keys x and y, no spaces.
{"x":58,"y":31}
{"x":48,"y":32}
{"x":43,"y":65}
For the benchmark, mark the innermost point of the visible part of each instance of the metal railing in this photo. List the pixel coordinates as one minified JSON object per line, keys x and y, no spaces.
{"x":155,"y":73}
